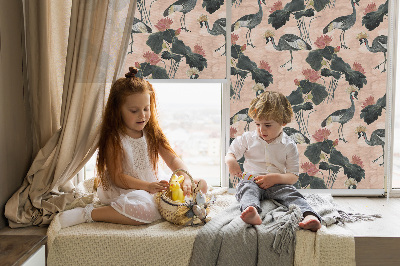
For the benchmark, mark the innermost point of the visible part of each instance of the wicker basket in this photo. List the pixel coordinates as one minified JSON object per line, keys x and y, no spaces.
{"x":176,"y":212}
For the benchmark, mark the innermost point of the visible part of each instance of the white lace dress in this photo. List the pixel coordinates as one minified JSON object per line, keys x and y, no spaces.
{"x":138,"y":205}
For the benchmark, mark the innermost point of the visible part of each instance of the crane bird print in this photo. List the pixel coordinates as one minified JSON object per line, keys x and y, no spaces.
{"x":183,"y":6}
{"x":343,"y":23}
{"x":342,"y":116}
{"x":249,"y":21}
{"x":138,"y":26}
{"x":377,"y":139}
{"x":287,"y":42}
{"x":242,"y":115}
{"x":379,"y":45}
{"x":218,"y":28}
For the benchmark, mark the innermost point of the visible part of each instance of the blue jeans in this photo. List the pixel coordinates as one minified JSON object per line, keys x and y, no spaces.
{"x":249,"y":193}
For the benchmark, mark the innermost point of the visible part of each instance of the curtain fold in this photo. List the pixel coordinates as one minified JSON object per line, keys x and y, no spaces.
{"x":96,"y":48}
{"x":46,"y":33}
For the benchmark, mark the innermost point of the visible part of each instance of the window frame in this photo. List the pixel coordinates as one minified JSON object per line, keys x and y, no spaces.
{"x":392,"y":60}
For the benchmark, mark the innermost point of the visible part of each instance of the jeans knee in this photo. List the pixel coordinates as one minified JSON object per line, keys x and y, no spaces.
{"x":245,"y":187}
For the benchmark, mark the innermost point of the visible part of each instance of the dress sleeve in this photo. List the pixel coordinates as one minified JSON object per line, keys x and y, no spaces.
{"x":292,"y":159}
{"x":238,"y":147}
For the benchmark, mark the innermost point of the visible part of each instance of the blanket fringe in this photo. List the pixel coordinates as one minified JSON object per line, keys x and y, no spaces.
{"x":355,"y":217}
{"x":288,"y":225}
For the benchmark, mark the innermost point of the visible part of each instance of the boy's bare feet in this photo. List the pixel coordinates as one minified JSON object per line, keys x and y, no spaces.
{"x":250,"y":216}
{"x":310,"y":222}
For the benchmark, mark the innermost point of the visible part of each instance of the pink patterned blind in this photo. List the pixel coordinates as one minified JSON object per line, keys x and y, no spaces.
{"x":329,"y":59}
{"x":182,"y":39}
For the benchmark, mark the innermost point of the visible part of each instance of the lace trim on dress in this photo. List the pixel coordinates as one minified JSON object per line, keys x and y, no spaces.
{"x":136,"y":161}
{"x":141,"y":160}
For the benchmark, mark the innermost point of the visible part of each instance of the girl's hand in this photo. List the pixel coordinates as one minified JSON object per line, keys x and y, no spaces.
{"x":265,"y":181}
{"x":154,"y":187}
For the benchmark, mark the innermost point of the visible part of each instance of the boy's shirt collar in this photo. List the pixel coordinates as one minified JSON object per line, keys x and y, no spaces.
{"x":279,"y":139}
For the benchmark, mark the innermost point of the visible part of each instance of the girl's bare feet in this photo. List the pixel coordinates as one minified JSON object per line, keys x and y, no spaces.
{"x":310,"y":222}
{"x":250,"y":216}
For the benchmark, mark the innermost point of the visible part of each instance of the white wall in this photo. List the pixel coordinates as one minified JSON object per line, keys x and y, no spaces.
{"x":15,"y":131}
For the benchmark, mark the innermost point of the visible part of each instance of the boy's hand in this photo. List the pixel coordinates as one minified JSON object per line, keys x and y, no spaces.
{"x":154,"y":187}
{"x":235,"y":170}
{"x":187,"y":186}
{"x":266,"y":181}
{"x":233,"y":166}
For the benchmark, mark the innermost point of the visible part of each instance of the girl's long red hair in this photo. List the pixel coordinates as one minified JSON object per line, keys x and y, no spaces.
{"x":112,"y":127}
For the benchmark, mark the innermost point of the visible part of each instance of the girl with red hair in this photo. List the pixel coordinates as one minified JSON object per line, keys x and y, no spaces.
{"x":130,"y":144}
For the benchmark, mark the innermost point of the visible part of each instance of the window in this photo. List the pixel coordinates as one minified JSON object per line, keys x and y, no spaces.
{"x":90,"y":167}
{"x":190,"y":116}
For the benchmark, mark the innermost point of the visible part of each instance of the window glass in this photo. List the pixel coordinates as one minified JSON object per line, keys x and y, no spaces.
{"x":90,"y":167}
{"x":190,"y":116}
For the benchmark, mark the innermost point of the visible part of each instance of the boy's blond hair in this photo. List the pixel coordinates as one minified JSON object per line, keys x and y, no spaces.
{"x":271,"y":105}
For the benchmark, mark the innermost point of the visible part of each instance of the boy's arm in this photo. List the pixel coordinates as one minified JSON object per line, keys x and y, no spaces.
{"x":268,"y":180}
{"x":236,"y":151}
{"x":292,"y":161}
{"x":233,"y":165}
{"x":288,"y":178}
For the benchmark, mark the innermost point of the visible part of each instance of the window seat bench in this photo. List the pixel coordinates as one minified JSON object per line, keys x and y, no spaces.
{"x":377,"y":242}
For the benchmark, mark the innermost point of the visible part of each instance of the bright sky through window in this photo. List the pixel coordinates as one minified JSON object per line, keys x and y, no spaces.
{"x":190,"y":115}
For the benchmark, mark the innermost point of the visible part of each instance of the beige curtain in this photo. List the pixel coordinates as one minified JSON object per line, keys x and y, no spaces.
{"x":97,"y":43}
{"x":46,"y":39}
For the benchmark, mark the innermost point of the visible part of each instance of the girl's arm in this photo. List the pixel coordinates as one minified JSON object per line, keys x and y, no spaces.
{"x":174,"y":162}
{"x":171,"y":160}
{"x":124,"y":181}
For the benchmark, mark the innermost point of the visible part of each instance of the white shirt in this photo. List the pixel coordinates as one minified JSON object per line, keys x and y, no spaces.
{"x":279,"y":156}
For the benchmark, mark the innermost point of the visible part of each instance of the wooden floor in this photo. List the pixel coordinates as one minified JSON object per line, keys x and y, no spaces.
{"x":377,"y":242}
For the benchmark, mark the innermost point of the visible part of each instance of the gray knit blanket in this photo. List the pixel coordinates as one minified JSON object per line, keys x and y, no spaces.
{"x":227,"y":240}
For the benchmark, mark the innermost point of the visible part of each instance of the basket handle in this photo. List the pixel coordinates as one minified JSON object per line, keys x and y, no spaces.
{"x":186,"y":172}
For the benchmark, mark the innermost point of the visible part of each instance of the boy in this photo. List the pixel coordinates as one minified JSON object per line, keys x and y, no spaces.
{"x":272,"y":158}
